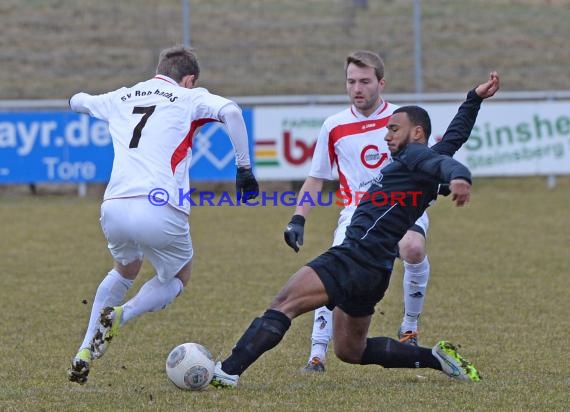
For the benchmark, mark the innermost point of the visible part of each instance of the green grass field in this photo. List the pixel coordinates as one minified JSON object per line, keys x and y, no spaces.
{"x":499,"y":288}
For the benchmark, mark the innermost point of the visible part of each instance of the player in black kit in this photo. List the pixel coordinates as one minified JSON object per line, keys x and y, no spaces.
{"x":353,"y":276}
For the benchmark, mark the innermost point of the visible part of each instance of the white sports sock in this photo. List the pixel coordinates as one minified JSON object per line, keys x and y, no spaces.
{"x":322,"y":333}
{"x":416,"y":276}
{"x":111,"y":292}
{"x":152,"y":297}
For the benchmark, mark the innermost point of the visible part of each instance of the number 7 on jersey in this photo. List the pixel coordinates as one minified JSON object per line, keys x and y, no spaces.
{"x":146,"y":112}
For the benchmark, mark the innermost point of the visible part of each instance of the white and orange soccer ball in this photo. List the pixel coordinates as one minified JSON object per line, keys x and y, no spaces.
{"x":190,"y":366}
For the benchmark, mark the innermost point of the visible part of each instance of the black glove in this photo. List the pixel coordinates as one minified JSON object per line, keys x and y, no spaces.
{"x":294,"y":232}
{"x":246,"y":186}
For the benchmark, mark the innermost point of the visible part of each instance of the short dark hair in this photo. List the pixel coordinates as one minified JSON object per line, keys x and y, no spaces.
{"x":366,"y":58}
{"x":177,"y":62}
{"x":418,"y":117}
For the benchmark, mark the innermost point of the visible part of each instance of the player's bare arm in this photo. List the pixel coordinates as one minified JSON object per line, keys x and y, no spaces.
{"x":312,"y":186}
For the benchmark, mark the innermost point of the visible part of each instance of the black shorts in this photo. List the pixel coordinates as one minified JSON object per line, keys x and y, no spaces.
{"x":353,"y":287}
{"x":418,"y":229}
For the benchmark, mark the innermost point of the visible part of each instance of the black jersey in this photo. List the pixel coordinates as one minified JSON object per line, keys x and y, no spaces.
{"x":357,"y":272}
{"x":404,"y":190}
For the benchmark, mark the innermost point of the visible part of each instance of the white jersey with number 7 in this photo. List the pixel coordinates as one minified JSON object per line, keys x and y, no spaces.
{"x":152,"y":125}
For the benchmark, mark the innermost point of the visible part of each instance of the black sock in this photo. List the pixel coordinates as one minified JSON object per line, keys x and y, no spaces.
{"x":263,"y":334}
{"x":390,"y":353}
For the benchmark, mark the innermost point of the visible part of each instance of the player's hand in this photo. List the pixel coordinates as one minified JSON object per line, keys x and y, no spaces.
{"x":490,"y":87}
{"x":294,"y":232}
{"x":246,"y":186}
{"x":460,"y":191}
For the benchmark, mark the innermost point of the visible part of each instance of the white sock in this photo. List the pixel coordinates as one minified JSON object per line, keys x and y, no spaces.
{"x":416,"y":276}
{"x":152,"y":297}
{"x":322,"y":333}
{"x":111,"y":292}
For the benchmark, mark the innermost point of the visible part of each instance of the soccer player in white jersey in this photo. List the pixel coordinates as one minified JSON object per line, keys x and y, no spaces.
{"x":143,"y":213}
{"x":353,"y":140}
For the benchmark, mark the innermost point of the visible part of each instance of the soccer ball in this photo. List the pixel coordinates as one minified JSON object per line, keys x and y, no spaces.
{"x":190,"y":366}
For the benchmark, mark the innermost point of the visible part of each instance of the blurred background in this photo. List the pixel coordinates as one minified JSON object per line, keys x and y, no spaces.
{"x":52,"y":48}
{"x":288,"y":54}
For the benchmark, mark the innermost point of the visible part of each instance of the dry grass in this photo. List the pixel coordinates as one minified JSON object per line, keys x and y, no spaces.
{"x":52,"y":48}
{"x":497,"y":288}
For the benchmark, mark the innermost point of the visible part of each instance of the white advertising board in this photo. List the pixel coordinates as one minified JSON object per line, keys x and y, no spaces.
{"x":509,"y":139}
{"x":513,"y":139}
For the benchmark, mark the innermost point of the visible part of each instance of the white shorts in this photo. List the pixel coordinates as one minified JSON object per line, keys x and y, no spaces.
{"x":346,"y":217}
{"x":422,"y":224}
{"x":134,"y":228}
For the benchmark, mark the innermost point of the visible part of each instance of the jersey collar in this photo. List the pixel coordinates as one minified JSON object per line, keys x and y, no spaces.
{"x":166,"y":79}
{"x":383,"y":106}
